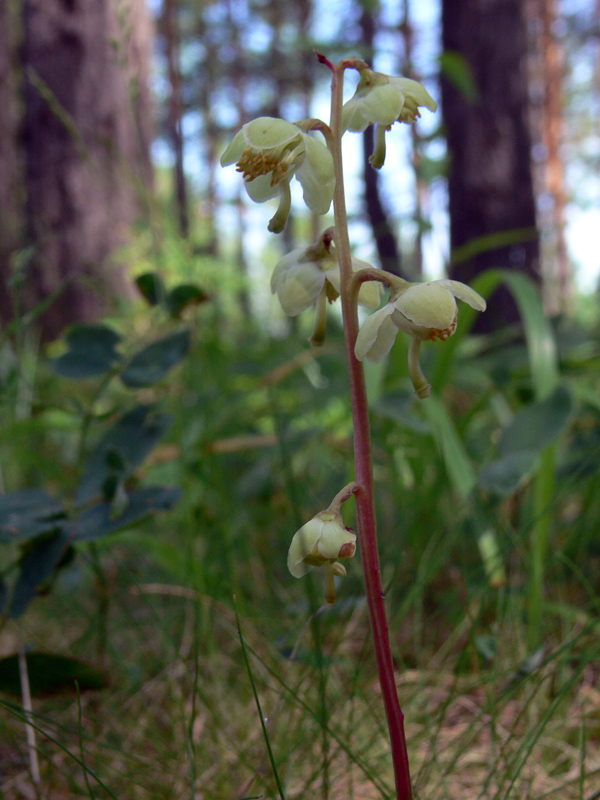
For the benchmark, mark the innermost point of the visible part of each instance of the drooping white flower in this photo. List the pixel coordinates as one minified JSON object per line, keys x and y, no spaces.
{"x":320,"y":543}
{"x":302,"y":274}
{"x":384,"y":99}
{"x":268,"y":152}
{"x":426,"y":311}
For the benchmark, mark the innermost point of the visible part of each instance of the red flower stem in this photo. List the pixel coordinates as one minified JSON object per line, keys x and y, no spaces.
{"x":365,"y":507}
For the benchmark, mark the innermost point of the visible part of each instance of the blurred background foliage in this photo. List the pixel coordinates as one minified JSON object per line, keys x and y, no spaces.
{"x":150,"y":387}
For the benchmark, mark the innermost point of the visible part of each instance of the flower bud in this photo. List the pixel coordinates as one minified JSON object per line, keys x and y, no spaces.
{"x":322,"y":540}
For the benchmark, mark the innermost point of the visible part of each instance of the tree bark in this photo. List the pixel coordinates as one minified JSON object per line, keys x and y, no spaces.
{"x":171,"y":33}
{"x":383,"y":235}
{"x":492,"y":206}
{"x":86,"y":136}
{"x":558,"y":277}
{"x":11,"y":217}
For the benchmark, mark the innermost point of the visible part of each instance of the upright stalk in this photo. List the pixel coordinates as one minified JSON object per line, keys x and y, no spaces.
{"x":367,"y":527}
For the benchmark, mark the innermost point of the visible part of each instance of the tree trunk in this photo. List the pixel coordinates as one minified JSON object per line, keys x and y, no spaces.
{"x":383,"y":235}
{"x":557,"y":277}
{"x":175,"y":109}
{"x":492,"y":206}
{"x":11,"y":217}
{"x":86,"y":135}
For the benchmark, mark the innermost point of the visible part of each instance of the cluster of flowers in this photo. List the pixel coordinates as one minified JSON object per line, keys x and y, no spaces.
{"x":269,"y":152}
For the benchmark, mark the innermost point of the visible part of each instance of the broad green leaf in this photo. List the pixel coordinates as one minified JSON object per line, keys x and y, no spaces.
{"x":151,"y":287}
{"x":37,"y":565}
{"x":151,"y":364}
{"x":458,"y":464}
{"x":186,"y":294}
{"x":504,"y":475}
{"x":27,"y":514}
{"x":398,"y":406}
{"x":538,"y":424}
{"x":541,"y":347}
{"x":122,"y":449}
{"x":99,"y":521}
{"x":92,"y":351}
{"x":50,"y":674}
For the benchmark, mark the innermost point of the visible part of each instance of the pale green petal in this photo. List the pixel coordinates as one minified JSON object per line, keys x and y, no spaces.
{"x":376,"y":336}
{"x":427,"y":305}
{"x":416,"y":90}
{"x":260,"y":188}
{"x":298,"y":287}
{"x":267,"y":133}
{"x":333,"y":276}
{"x":289,"y":260}
{"x":234,"y":151}
{"x":316,"y":174}
{"x":368,"y":294}
{"x":333,"y":537}
{"x":352,"y":117}
{"x":465,"y":293}
{"x":382,"y":104}
{"x":302,"y":545}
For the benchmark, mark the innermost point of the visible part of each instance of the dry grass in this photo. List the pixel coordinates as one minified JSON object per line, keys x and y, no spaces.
{"x":188,"y":718}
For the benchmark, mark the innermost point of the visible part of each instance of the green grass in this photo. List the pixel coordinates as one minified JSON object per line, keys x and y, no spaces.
{"x":261,"y":440}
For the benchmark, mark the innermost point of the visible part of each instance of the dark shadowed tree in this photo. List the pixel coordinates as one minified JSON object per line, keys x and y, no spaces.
{"x":485,"y":108}
{"x":383,"y":235}
{"x":171,"y":35}
{"x":10,"y":217}
{"x":86,"y":150}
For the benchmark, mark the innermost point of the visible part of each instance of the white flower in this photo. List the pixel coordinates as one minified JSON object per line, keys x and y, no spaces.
{"x":301,"y":275}
{"x":319,"y":543}
{"x":268,"y":151}
{"x":384,"y":99}
{"x":425,"y":310}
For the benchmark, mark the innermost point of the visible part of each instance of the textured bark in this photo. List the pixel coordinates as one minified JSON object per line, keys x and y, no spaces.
{"x":170,"y":23}
{"x":492,"y":207}
{"x":86,"y":134}
{"x":557,"y":273}
{"x":11,"y":217}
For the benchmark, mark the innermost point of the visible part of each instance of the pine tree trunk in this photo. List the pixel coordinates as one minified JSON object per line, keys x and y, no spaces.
{"x":86,"y":135}
{"x":11,"y":217}
{"x":492,"y":206}
{"x":383,"y":235}
{"x":171,"y":32}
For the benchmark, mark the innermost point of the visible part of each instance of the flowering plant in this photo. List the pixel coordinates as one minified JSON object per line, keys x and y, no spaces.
{"x":269,"y":152}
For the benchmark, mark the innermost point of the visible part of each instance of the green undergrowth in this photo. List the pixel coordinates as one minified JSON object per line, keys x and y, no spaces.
{"x":488,"y":510}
